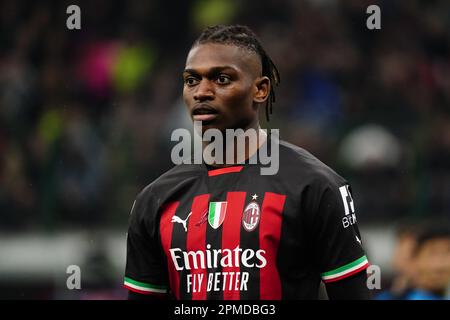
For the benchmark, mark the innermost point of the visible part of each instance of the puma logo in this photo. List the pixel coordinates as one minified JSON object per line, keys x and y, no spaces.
{"x":177,"y":219}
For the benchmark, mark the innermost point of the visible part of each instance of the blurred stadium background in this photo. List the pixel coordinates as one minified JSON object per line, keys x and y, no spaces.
{"x":86,"y":117}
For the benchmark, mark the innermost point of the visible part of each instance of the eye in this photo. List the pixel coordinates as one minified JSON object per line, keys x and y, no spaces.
{"x":190,"y":81}
{"x":223,"y":79}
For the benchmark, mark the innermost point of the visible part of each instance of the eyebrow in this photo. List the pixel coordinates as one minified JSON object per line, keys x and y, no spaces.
{"x":211,"y":71}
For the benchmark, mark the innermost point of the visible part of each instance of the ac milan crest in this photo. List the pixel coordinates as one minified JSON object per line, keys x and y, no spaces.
{"x":251,"y":216}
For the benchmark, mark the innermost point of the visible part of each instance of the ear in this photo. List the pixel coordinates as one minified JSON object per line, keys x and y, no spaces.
{"x":262,"y":89}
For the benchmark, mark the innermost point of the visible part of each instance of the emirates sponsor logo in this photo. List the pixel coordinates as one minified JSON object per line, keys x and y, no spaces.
{"x":214,"y":258}
{"x":217,"y":281}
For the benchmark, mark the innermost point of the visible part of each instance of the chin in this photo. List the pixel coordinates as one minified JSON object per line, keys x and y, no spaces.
{"x":213,"y":125}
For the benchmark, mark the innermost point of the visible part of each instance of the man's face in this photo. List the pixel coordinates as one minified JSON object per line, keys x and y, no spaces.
{"x":432,"y":265}
{"x":222,"y":86}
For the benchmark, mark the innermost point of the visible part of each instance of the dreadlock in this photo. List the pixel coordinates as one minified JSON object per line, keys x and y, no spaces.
{"x":242,"y":36}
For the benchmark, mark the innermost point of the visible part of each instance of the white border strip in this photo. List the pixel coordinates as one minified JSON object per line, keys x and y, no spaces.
{"x":131,"y":285}
{"x":340,"y":274}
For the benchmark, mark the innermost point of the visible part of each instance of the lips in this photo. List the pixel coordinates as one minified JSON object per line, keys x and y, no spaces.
{"x":204,"y":112}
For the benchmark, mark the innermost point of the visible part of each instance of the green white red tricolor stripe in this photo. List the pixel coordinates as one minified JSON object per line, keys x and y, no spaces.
{"x":142,"y":287}
{"x":346,"y":270}
{"x":216,"y":214}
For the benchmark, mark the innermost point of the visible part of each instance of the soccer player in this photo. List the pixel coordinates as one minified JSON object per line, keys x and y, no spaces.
{"x":211,"y":231}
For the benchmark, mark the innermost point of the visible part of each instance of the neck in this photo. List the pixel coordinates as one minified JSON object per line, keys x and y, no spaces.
{"x":237,"y":148}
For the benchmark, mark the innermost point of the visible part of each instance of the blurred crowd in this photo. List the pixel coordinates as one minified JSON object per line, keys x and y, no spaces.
{"x":420,"y":262}
{"x":86,"y":115}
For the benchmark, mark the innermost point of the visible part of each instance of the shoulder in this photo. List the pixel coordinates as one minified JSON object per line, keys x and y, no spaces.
{"x":298,"y":163}
{"x":176,"y":176}
{"x":150,"y":199}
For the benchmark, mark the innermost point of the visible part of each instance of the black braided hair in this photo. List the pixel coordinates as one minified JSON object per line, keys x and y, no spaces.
{"x":243,"y":36}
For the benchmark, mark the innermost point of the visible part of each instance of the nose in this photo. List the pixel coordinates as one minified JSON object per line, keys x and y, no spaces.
{"x":204,"y":91}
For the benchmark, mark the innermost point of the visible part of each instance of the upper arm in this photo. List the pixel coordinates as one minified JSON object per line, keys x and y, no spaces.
{"x":145,"y":271}
{"x":338,"y":250}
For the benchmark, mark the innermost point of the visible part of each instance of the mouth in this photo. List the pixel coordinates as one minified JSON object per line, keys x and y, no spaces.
{"x":204,"y":112}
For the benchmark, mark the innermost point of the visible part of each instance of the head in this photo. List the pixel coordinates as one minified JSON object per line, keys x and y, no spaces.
{"x":405,"y":244}
{"x":431,"y":258}
{"x":228,"y":76}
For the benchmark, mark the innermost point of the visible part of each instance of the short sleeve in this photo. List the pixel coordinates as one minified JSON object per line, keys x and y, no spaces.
{"x":145,"y":270}
{"x":337,"y":241}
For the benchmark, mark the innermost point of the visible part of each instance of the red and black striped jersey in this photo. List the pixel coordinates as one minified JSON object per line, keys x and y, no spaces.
{"x":232,"y":233}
